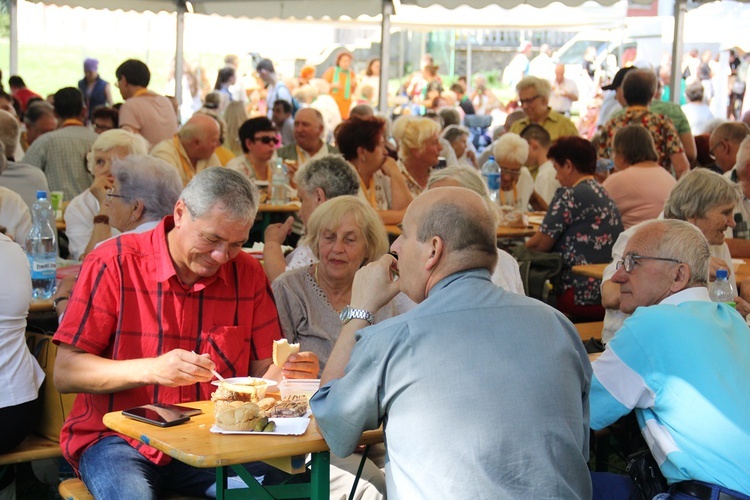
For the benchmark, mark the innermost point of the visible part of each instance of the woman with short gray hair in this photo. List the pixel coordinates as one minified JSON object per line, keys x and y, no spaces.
{"x":145,"y":190}
{"x":319,"y":180}
{"x":458,"y":138}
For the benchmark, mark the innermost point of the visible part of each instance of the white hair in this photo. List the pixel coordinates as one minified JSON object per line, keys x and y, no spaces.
{"x":135,"y":144}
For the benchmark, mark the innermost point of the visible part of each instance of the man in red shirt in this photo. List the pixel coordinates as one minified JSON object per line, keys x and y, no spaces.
{"x":22,"y":93}
{"x":143,"y":306}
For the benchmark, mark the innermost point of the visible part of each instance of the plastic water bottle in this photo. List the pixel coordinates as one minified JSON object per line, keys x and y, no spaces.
{"x":491,"y":174}
{"x":721,"y":290}
{"x":41,"y":248}
{"x":279,"y":184}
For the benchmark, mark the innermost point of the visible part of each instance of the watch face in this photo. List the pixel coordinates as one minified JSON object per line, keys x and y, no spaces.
{"x":345,"y":315}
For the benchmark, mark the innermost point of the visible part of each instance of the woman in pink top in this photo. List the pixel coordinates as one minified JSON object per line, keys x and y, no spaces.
{"x":639,"y":185}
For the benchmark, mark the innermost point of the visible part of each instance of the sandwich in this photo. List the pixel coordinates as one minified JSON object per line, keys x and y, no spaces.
{"x":282,"y":349}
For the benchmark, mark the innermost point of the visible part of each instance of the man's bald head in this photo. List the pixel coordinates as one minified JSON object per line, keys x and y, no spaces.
{"x":462,"y":219}
{"x":200,"y":136}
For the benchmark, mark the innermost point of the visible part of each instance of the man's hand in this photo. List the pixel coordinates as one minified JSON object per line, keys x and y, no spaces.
{"x":375,"y":284}
{"x":277,"y":233}
{"x":179,"y":367}
{"x":100,"y":186}
{"x":714,"y":265}
{"x":302,"y":365}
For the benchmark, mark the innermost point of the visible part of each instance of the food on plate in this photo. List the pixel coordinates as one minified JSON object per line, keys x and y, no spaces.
{"x":291,"y":406}
{"x":252,"y":391}
{"x":266,"y":404}
{"x":270,"y":427}
{"x":282,"y":349}
{"x":240,"y":416}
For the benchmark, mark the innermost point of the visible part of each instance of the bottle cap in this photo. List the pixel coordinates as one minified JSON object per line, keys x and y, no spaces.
{"x":41,"y":194}
{"x":722,"y":274}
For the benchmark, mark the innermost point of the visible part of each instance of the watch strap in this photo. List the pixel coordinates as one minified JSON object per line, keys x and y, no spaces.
{"x":349,"y":313}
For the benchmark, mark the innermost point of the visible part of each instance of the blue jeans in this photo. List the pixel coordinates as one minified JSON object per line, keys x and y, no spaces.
{"x":113,"y":469}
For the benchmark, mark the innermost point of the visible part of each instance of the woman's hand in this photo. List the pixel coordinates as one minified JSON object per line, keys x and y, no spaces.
{"x":101,"y":186}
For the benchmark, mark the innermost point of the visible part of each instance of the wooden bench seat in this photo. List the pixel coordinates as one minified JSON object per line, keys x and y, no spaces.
{"x":74,"y":489}
{"x":589,"y":330}
{"x":34,"y":447}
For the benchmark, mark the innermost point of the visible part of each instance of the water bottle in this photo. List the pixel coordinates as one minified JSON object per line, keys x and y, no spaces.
{"x":279,"y":184}
{"x":491,"y":174}
{"x":41,"y":248}
{"x":721,"y":290}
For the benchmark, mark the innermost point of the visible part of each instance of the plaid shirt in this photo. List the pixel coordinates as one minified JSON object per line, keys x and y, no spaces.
{"x":128,"y":303}
{"x":61,"y":154}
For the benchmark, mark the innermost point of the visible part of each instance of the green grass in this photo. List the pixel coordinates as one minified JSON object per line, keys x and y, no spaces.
{"x":46,"y":69}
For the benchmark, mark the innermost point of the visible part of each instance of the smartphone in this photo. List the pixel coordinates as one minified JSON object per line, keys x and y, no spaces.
{"x":152,"y":414}
{"x":185,"y":410}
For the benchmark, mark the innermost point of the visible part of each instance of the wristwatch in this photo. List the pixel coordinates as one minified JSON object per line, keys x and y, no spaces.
{"x":350,"y":313}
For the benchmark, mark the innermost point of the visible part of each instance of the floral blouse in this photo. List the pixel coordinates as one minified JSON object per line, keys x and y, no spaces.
{"x":585,"y":223}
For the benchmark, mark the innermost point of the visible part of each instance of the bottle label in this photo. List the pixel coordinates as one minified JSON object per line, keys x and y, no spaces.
{"x":493,"y":180}
{"x":43,"y":267}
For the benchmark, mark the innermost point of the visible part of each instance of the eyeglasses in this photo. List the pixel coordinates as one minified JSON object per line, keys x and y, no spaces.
{"x":509,"y":171}
{"x":111,"y":195}
{"x":267,"y":140}
{"x":101,"y":128}
{"x":527,"y":101}
{"x":631,"y":259}
{"x":711,"y":151}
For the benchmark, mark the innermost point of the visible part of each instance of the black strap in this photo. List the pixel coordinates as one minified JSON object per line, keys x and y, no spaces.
{"x":359,"y":471}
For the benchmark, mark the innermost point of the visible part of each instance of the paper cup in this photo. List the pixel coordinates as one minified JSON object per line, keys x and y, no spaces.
{"x":56,"y":200}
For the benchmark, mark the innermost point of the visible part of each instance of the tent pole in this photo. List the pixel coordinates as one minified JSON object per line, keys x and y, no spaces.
{"x":469,"y":69}
{"x":13,"y":14}
{"x":675,"y":80}
{"x":385,"y":61}
{"x":179,"y":52}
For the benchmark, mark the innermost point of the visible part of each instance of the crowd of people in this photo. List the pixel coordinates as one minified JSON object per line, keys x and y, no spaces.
{"x":430,"y":332}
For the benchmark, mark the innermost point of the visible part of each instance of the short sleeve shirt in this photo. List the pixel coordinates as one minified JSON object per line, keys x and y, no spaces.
{"x":128,"y":303}
{"x":666,"y":138}
{"x":584,"y":222}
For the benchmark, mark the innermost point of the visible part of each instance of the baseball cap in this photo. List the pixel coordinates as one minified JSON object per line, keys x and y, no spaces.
{"x":617,"y":80}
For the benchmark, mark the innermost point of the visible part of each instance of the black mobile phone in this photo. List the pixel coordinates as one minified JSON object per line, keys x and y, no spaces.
{"x":152,"y":414}
{"x":185,"y":410}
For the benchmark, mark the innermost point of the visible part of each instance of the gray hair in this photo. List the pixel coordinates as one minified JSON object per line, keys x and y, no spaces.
{"x":697,"y":192}
{"x":450,"y":116}
{"x":743,"y":157}
{"x":511,"y":147}
{"x":151,"y":180}
{"x":36,"y":111}
{"x":136,"y":144}
{"x":468,"y":178}
{"x":331,"y":173}
{"x":684,"y":242}
{"x":541,"y":86}
{"x":461,"y":230}
{"x":453,"y":132}
{"x":731,"y":131}
{"x":234,"y":192}
{"x":9,"y":130}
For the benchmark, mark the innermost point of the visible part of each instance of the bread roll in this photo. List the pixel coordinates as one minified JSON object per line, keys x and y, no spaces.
{"x":252,"y":392}
{"x":239,"y":416}
{"x":282,"y":349}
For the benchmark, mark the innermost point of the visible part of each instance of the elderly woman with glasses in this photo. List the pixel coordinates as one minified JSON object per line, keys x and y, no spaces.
{"x":259,"y":139}
{"x":516,"y":184}
{"x":702,"y":198}
{"x":581,"y":224}
{"x":87,"y":216}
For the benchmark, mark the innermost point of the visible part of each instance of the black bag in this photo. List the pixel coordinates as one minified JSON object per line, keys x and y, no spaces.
{"x":645,"y":474}
{"x":536,"y":269}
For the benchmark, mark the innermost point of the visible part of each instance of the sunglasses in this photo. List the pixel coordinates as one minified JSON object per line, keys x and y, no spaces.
{"x":268,"y":140}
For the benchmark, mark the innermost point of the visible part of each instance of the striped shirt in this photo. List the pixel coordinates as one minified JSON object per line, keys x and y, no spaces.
{"x":128,"y":303}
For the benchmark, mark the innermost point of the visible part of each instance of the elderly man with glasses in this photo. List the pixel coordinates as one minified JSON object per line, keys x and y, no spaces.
{"x":533,"y":95}
{"x":681,"y":362}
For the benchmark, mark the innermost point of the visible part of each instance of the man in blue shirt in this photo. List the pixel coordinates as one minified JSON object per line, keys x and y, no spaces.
{"x":682,"y":363}
{"x":482,"y":393}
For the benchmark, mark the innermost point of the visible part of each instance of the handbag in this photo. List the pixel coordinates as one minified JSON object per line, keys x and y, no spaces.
{"x":645,"y":474}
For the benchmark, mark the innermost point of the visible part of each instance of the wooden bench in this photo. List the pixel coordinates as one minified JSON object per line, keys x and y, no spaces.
{"x":74,"y":489}
{"x":34,"y":447}
{"x":589,"y":330}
